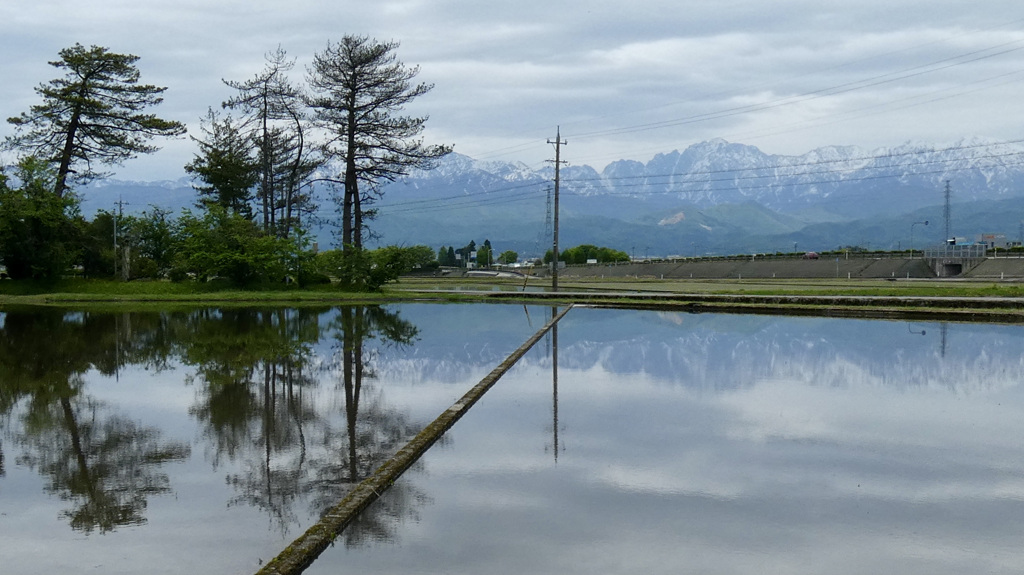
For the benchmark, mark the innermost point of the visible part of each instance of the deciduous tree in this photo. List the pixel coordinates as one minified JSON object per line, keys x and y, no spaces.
{"x":508,"y":257}
{"x":39,"y":232}
{"x":227,"y":245}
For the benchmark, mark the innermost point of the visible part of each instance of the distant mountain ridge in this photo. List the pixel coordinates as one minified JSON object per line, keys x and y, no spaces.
{"x":719,"y":172}
{"x":714,"y":196}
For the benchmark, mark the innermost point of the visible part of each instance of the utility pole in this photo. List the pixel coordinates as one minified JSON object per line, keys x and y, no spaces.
{"x":558,"y":162}
{"x":119,"y":212}
{"x":115,"y":239}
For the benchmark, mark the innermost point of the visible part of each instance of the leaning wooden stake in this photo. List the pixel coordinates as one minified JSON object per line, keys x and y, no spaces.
{"x":304,"y":550}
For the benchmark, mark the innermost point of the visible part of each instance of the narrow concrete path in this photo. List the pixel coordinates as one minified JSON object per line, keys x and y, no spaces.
{"x":304,"y":550}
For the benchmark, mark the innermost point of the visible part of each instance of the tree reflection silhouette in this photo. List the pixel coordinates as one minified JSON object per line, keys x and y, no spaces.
{"x":373,"y":431}
{"x":252,"y":365}
{"x":258,"y":402}
{"x":106,"y":464}
{"x":256,"y":369}
{"x":102,"y":462}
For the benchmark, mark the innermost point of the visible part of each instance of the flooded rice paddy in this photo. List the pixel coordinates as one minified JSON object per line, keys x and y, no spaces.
{"x":625,"y":442}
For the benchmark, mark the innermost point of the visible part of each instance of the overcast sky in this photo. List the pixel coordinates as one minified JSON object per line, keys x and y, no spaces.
{"x":622,"y":79}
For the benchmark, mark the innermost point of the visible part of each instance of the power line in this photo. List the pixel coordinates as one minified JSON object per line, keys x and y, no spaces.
{"x":937,"y":65}
{"x":815,"y":94}
{"x":695,"y":176}
{"x":802,"y":183}
{"x":528,"y":191}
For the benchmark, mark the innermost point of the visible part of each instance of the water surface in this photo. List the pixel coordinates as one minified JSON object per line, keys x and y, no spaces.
{"x":675,"y":443}
{"x":206,"y":441}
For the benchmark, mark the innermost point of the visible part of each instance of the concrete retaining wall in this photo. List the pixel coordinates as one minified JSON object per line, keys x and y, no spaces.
{"x":761,"y":268}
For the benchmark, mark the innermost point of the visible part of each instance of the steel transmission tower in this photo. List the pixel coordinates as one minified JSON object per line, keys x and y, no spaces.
{"x":945,"y":213}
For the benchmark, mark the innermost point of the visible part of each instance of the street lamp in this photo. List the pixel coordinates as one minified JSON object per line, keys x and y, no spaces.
{"x":912,"y":236}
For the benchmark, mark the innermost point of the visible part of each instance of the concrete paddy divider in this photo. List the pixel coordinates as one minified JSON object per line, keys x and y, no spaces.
{"x":308,"y":546}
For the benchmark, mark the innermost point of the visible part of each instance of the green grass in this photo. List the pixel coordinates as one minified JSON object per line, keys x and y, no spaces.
{"x":89,"y":291}
{"x":155,"y":293}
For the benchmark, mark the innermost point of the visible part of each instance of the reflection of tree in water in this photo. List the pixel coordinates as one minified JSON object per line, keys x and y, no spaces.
{"x":369,"y":438}
{"x":104,"y":463}
{"x":256,"y":403}
{"x":254,"y":365}
{"x":255,"y":373}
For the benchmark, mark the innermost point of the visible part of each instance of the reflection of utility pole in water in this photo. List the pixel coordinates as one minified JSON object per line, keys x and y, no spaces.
{"x":943,"y":330}
{"x":943,"y":327}
{"x":554,"y":383}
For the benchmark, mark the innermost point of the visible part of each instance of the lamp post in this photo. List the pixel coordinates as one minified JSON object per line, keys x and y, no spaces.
{"x":912,"y":236}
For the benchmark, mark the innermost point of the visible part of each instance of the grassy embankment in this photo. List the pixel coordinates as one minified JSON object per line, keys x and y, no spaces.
{"x":791,"y":293}
{"x":945,"y":300}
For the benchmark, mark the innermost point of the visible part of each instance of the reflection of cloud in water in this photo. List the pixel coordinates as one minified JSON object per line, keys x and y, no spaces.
{"x":736,"y":444}
{"x":779,"y":437}
{"x":720,"y":352}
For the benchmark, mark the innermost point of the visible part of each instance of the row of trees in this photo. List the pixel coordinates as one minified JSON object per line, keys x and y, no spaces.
{"x":255,"y":171}
{"x":42,"y":235}
{"x":450,"y":256}
{"x":581,"y":253}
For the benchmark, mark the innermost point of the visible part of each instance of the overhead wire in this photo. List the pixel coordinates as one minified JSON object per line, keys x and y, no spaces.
{"x":933,"y":66}
{"x":527,"y":191}
{"x":476,"y":200}
{"x":793,"y":184}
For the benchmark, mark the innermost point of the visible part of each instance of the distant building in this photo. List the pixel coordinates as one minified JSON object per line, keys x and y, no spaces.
{"x":994,"y":241}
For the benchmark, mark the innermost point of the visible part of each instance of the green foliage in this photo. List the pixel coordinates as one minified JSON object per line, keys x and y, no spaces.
{"x":228,"y":245}
{"x":446,"y":256}
{"x":226,"y":164}
{"x":97,"y":257}
{"x":369,"y":270}
{"x":508,"y":257}
{"x":145,"y":245}
{"x":484,"y":257}
{"x":420,"y":256}
{"x":93,"y":115}
{"x":39,"y":230}
{"x":581,"y":253}
{"x":151,"y":237}
{"x":359,"y":90}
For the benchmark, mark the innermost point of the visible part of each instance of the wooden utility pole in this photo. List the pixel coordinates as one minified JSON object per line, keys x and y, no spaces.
{"x":558,"y":162}
{"x":118,"y":213}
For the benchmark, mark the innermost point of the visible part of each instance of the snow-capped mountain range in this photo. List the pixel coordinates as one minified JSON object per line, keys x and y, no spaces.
{"x":718,"y":172}
{"x":722,"y":196}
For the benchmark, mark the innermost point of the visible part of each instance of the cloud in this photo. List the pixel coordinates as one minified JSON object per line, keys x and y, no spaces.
{"x":507,"y":74}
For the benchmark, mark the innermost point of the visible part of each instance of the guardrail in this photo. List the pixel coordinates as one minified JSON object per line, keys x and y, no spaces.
{"x":972,"y":251}
{"x":763,"y":257}
{"x":961,"y":252}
